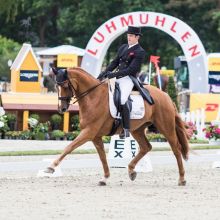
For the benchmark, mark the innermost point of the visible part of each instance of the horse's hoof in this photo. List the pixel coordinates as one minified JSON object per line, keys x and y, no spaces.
{"x":102,"y":183}
{"x":49,"y":170}
{"x":182,"y":183}
{"x":133,"y":175}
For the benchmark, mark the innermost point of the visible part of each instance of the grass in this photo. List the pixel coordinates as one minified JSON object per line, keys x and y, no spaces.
{"x":91,"y":151}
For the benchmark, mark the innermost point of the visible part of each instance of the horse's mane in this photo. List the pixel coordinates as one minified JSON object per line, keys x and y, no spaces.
{"x":81,"y":71}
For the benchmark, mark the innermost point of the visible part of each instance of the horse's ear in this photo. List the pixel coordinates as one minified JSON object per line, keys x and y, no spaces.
{"x":55,"y":71}
{"x":65,"y":73}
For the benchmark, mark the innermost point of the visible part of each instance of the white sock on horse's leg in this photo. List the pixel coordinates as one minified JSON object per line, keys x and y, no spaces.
{"x":103,"y":181}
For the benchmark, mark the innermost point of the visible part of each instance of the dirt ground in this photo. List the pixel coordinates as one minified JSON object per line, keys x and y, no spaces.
{"x":76,"y":195}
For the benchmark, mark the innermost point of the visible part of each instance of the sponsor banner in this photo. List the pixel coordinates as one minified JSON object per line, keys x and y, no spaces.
{"x":167,"y":72}
{"x":29,"y":75}
{"x":214,"y":77}
{"x":67,"y":60}
{"x":214,"y":64}
{"x":210,"y":102}
{"x":214,"y":88}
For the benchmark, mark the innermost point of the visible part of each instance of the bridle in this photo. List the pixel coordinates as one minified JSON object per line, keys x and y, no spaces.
{"x":73,"y":92}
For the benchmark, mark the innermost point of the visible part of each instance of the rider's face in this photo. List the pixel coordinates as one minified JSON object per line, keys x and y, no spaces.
{"x":132,"y":39}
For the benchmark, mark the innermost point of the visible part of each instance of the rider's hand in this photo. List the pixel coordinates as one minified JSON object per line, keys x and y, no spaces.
{"x":102,"y":76}
{"x":111,"y":75}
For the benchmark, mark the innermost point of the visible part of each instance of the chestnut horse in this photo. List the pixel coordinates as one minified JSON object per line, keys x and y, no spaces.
{"x":96,"y":120}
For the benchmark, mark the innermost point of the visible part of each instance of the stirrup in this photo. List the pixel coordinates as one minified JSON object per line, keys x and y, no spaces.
{"x":125,"y":133}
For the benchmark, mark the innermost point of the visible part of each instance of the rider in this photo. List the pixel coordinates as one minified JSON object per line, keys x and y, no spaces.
{"x":127,"y":63}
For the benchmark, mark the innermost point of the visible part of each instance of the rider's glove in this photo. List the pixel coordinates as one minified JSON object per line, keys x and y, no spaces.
{"x":102,"y":76}
{"x":111,"y":75}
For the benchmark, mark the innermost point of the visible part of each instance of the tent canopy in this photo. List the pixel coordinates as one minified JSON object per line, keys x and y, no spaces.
{"x":63,"y":49}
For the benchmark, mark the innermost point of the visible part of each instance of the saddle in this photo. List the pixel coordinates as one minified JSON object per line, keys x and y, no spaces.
{"x":117,"y":100}
{"x":135,"y":103}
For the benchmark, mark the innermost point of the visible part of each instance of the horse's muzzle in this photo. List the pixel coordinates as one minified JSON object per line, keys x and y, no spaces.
{"x":62,"y":110}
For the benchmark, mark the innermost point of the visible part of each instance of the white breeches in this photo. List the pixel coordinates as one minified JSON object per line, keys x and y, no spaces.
{"x":126,"y":85}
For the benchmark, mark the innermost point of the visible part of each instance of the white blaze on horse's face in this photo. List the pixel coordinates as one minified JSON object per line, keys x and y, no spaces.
{"x":65,"y":84}
{"x":63,"y":94}
{"x":59,"y":100}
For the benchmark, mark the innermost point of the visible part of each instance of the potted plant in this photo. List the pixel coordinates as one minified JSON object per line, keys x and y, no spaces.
{"x":191,"y":130}
{"x":57,"y":135}
{"x":75,"y":122}
{"x":3,"y":124}
{"x":11,"y":119}
{"x":106,"y":139}
{"x":212,"y":133}
{"x":26,"y":135}
{"x":32,"y":123}
{"x":8,"y":135}
{"x":56,"y":121}
{"x":155,"y":137}
{"x":40,"y":131}
{"x":35,"y":116}
{"x":71,"y":135}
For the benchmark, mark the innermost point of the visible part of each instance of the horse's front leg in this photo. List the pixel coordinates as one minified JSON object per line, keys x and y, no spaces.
{"x":102,"y":155}
{"x":82,"y":138}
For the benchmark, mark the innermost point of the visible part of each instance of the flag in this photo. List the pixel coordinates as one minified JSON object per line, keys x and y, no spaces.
{"x":155,"y":60}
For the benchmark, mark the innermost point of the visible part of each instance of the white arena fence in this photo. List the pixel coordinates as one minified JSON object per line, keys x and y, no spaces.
{"x":198,"y":119}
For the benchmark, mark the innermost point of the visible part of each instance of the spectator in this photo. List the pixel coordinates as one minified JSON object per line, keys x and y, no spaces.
{"x":49,"y":82}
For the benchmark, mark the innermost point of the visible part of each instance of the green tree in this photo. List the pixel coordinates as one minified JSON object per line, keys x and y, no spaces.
{"x":202,"y":16}
{"x":8,"y":51}
{"x":11,"y":8}
{"x":53,"y":22}
{"x":171,"y":90}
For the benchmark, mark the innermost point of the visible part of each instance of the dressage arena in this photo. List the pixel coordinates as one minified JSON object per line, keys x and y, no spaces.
{"x":76,"y":195}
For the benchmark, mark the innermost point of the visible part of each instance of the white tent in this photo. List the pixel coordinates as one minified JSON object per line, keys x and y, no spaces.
{"x":63,"y":49}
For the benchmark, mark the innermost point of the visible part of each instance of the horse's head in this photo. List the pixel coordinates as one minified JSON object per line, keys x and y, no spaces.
{"x":65,"y":89}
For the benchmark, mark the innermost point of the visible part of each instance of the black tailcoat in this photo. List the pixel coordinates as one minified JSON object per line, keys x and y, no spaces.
{"x":128,"y":61}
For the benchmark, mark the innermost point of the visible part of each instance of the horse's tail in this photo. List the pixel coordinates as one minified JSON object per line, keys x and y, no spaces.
{"x":182,"y":136}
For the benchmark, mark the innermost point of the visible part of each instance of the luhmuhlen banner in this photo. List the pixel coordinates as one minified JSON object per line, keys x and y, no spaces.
{"x":189,"y":41}
{"x":210,"y":102}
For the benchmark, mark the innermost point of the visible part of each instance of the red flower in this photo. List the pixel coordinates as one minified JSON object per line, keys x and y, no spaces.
{"x":208,"y":135}
{"x":191,"y":129}
{"x":131,"y":54}
{"x":212,"y":132}
{"x":217,"y":130}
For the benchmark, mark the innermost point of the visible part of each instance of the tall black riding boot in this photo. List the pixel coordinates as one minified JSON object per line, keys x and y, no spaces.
{"x":125,"y":114}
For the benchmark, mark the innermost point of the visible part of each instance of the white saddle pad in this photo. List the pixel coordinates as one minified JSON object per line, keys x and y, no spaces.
{"x":137,"y":106}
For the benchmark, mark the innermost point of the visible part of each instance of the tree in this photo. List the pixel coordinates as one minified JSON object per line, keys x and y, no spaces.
{"x":202,"y":16}
{"x":53,"y":22}
{"x":11,"y":8}
{"x":8,"y":51}
{"x":171,"y":90}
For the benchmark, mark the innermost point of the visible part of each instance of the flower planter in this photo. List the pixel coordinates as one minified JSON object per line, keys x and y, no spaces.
{"x":214,"y":142}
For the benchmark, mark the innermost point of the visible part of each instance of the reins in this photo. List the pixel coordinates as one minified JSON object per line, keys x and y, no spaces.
{"x":80,"y":96}
{"x":83,"y":94}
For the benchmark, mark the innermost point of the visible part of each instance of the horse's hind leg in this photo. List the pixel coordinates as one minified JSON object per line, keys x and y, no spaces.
{"x":100,"y":149}
{"x":170,"y":134}
{"x":144,"y":147}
